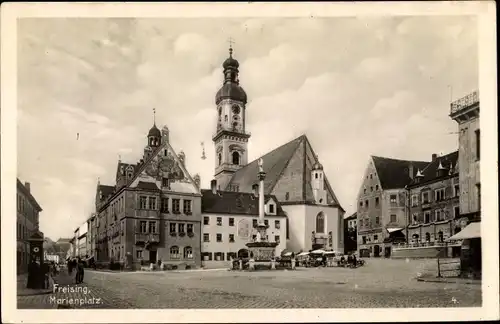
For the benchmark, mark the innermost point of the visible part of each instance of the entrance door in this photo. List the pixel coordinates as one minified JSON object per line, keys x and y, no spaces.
{"x":152,"y":256}
{"x":376,"y":251}
{"x":388,"y":252}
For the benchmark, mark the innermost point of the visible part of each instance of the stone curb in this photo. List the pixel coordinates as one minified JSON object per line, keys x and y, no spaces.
{"x":450,"y":280}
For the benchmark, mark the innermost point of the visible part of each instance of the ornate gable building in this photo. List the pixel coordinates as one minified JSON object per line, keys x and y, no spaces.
{"x":153,"y":212}
{"x":294,"y":174}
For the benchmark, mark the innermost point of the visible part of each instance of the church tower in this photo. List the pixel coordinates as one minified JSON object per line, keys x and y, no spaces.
{"x":318,"y":183}
{"x":230,"y":139}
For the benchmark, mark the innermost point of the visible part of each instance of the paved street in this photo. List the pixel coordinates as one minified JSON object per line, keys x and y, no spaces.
{"x":381,"y":283}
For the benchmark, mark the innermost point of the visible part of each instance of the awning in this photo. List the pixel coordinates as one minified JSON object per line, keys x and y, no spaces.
{"x":395,"y":229}
{"x":320,"y":251}
{"x":287,"y":254}
{"x":303,"y":253}
{"x":473,"y":230}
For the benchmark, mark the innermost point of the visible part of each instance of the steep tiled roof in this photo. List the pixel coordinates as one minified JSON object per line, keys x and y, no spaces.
{"x":236,"y":203}
{"x":274,"y":164}
{"x":106,"y":190}
{"x":147,"y":185}
{"x":430,"y":171}
{"x":394,"y":173}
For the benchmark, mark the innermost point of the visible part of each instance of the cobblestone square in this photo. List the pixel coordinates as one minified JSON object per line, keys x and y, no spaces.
{"x":380,"y":283}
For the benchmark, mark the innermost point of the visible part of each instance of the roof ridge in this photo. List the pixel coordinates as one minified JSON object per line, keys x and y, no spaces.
{"x":400,"y":160}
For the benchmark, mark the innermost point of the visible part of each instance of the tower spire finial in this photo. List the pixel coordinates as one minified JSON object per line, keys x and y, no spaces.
{"x":154,"y":116}
{"x":231,"y":42}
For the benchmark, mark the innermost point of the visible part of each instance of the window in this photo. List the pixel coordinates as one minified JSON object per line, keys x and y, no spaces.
{"x":415,"y":218}
{"x":364,"y":190}
{"x":277,"y":224}
{"x":376,"y":187}
{"x":414,"y":200}
{"x":176,"y":203}
{"x":219,"y":237}
{"x":187,"y":207}
{"x":427,"y":217}
{"x":371,"y":188}
{"x":478,"y":144}
{"x":320,"y":223}
{"x":174,"y":252}
{"x":231,"y":221}
{"x":164,"y":182}
{"x":254,"y":223}
{"x":143,"y":202}
{"x":173,"y":227}
{"x":206,"y":237}
{"x":190,"y":228}
{"x":440,"y":215}
{"x":367,"y":204}
{"x":236,"y":158}
{"x":143,"y":226}
{"x":377,"y":201}
{"x":219,"y":221}
{"x":271,"y":208}
{"x":287,"y":195}
{"x":152,"y":203}
{"x":254,"y":237}
{"x":164,"y":205}
{"x":152,"y":227}
{"x":375,"y":238}
{"x":425,"y":197}
{"x":456,"y":211}
{"x":206,"y":220}
{"x":315,"y":175}
{"x":181,"y":228}
{"x":364,"y":239}
{"x":393,"y":199}
{"x":361,"y":204}
{"x":231,"y":238}
{"x":393,"y":218}
{"x":188,"y":252}
{"x":439,"y":194}
{"x":277,"y":238}
{"x":377,"y":220}
{"x":371,"y":176}
{"x":138,"y":254}
{"x":219,"y":157}
{"x":266,"y":222}
{"x":427,"y":237}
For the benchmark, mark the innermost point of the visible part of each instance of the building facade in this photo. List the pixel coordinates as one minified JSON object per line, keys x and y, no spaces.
{"x":28,"y":218}
{"x":350,"y":233}
{"x":230,"y":221}
{"x":81,"y":240}
{"x":153,"y":212}
{"x":91,"y":235}
{"x":381,"y":210}
{"x":434,"y":203}
{"x":465,"y":112}
{"x":295,"y":176}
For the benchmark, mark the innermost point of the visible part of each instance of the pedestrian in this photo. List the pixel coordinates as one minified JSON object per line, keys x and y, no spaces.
{"x":79,"y":271}
{"x":354,"y":261}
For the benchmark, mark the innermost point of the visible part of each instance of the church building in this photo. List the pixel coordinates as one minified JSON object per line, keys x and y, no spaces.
{"x":295,"y":177}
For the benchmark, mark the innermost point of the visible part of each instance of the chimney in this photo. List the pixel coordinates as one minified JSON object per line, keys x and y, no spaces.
{"x":255,"y":189}
{"x":410,"y":171}
{"x":213,"y":186}
{"x":27,"y":186}
{"x":434,"y":157}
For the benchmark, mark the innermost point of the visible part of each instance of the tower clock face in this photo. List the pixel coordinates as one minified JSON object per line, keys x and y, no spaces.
{"x":236,"y":109}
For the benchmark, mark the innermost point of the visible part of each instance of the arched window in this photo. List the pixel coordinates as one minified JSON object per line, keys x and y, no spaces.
{"x":188,"y":252}
{"x":415,"y":238}
{"x":316,"y":175}
{"x":320,"y":223}
{"x":235,"y":124}
{"x":236,"y":158}
{"x":427,"y":237}
{"x":174,"y":252}
{"x":440,"y":236}
{"x":220,"y":158}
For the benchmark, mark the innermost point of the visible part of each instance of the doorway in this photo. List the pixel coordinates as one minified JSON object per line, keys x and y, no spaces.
{"x":376,"y":251}
{"x":152,"y":256}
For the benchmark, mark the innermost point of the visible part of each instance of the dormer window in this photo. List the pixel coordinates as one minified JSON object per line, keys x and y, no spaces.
{"x":164,"y":183}
{"x":129,"y":175}
{"x":271,"y":208}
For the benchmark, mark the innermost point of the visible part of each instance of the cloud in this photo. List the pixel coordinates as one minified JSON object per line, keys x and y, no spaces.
{"x":355,"y":86}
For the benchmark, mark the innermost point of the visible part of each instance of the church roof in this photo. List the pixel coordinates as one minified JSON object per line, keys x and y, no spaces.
{"x":394,"y":173}
{"x":234,"y":203}
{"x":276,"y":163}
{"x":231,"y":90}
{"x":430,"y":171}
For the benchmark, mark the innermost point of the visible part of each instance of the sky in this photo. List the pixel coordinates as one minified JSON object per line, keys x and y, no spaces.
{"x":355,"y":86}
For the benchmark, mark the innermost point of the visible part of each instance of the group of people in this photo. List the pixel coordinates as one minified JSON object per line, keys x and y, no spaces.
{"x":351,"y":260}
{"x":76,"y":263}
{"x":38,"y":275}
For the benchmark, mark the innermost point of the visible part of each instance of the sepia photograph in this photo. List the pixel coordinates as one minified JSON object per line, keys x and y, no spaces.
{"x":249,"y":158}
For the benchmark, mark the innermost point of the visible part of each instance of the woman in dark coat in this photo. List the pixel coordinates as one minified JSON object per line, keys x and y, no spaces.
{"x":79,"y":271}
